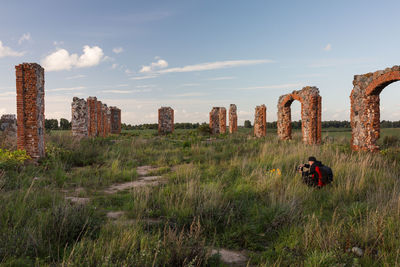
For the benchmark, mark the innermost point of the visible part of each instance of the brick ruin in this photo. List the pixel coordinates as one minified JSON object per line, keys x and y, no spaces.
{"x":8,"y":124}
{"x":100,"y":118}
{"x":90,"y":118}
{"x":218,"y":120}
{"x":310,"y":115}
{"x":165,"y":120}
{"x":30,"y":109}
{"x":79,"y":120}
{"x":232,"y":118}
{"x":260,"y":121}
{"x":92,"y":115}
{"x":115,"y":120}
{"x":365,"y":109}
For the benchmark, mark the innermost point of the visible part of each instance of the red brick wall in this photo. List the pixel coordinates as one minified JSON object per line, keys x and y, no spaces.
{"x":92,"y":115}
{"x":232,"y":119}
{"x":99,"y":118}
{"x":30,"y":109}
{"x":115,"y":120}
{"x":260,"y":121}
{"x":165,"y":120}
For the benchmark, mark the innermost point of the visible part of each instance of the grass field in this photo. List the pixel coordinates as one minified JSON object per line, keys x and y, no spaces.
{"x":218,"y":192}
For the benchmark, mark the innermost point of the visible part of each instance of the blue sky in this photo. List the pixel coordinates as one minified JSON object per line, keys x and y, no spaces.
{"x":193,"y":55}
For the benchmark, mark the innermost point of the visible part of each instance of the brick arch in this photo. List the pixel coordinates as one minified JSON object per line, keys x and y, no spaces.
{"x":365,"y":107}
{"x":310,"y":115}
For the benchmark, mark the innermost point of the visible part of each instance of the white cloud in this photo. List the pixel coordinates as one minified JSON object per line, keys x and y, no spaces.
{"x":144,"y":77}
{"x":24,"y":37}
{"x":222,"y":78}
{"x":62,"y":60}
{"x":76,"y":77}
{"x":328,"y":47}
{"x":215,"y":65}
{"x":6,"y":51}
{"x":114,"y":66}
{"x":276,"y":86}
{"x":118,"y":50}
{"x":159,"y":64}
{"x":117,"y":91}
{"x":66,"y":89}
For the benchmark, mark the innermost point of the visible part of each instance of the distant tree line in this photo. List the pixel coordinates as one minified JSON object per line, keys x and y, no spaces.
{"x":64,"y":124}
{"x":52,"y":124}
{"x":248,"y":124}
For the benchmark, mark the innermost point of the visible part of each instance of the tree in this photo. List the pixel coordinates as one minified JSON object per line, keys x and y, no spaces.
{"x":65,"y":124}
{"x":247,"y":124}
{"x":51,"y":124}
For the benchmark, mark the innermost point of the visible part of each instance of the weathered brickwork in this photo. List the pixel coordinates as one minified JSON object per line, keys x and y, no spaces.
{"x":218,"y":120}
{"x":232,"y":118}
{"x":365,"y":109}
{"x":260,"y":121}
{"x":222,"y":120}
{"x":79,"y":120}
{"x":90,"y":118}
{"x":30,"y":109}
{"x":165,"y":120}
{"x":115,"y":120}
{"x":100,"y":118}
{"x":92,"y":115}
{"x":106,"y":120}
{"x":8,"y":123}
{"x":310,"y":115}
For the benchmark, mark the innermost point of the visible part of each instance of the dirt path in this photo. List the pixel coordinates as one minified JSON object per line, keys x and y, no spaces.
{"x":231,"y":257}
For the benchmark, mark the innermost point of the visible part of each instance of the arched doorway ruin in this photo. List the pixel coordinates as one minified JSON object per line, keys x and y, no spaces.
{"x":365,"y":110}
{"x":310,"y":115}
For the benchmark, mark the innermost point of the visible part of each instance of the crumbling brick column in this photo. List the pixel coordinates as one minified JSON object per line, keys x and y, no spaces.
{"x":232,"y":119}
{"x":92,"y":115}
{"x":165,"y":120}
{"x":79,"y":120}
{"x":260,"y":121}
{"x":218,"y":120}
{"x":115,"y":120}
{"x":106,"y":129}
{"x":222,"y":120}
{"x":30,"y":109}
{"x":8,"y":124}
{"x":311,"y":104}
{"x":100,"y":119}
{"x":108,"y":120}
{"x":365,"y":107}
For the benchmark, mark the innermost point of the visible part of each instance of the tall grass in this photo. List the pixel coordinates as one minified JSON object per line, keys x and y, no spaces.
{"x":219,"y":193}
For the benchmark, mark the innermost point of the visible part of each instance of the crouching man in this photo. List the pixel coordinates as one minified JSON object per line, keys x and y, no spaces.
{"x":315,"y":173}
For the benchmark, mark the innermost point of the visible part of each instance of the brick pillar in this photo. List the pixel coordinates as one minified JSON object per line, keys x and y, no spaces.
{"x":165,"y":120}
{"x":105,"y":111}
{"x":232,"y":119}
{"x":8,"y":124}
{"x":79,"y":120}
{"x":214,"y":120}
{"x":92,"y":115}
{"x":115,"y":120}
{"x":260,"y":121}
{"x":222,"y":120}
{"x":30,"y":109}
{"x":99,"y":118}
{"x":108,"y":121}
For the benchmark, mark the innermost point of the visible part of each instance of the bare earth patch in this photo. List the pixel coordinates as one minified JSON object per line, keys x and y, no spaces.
{"x":114,"y":214}
{"x":231,"y":257}
{"x":145,"y":170}
{"x":144,"y":181}
{"x":78,"y":200}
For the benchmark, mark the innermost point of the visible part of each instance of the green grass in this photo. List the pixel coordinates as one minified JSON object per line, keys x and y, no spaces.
{"x":218,"y":194}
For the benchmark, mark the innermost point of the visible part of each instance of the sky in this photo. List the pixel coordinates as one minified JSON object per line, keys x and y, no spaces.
{"x":196,"y":54}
